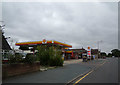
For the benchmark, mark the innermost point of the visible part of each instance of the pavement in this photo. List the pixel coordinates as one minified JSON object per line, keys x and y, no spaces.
{"x":64,"y":74}
{"x":66,"y":62}
{"x":73,"y":61}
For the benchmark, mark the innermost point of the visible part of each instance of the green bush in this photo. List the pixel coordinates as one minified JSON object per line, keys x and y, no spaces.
{"x":18,"y":57}
{"x":12,"y":59}
{"x":49,"y":56}
{"x":30,"y":59}
{"x":43,"y":54}
{"x":57,"y":61}
{"x":36,"y":57}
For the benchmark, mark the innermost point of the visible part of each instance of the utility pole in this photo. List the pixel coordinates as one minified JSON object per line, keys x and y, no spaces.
{"x":98,"y":47}
{"x":1,"y":32}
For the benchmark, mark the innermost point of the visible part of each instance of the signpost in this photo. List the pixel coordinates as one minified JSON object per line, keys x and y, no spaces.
{"x":89,"y":53}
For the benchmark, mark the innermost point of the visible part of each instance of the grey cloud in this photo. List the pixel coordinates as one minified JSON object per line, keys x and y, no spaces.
{"x":79,"y":24}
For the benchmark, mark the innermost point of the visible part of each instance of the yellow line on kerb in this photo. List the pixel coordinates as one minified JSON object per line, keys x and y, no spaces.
{"x":82,"y":77}
{"x":103,"y":63}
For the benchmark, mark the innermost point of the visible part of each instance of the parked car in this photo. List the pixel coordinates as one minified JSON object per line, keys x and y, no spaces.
{"x":84,"y":57}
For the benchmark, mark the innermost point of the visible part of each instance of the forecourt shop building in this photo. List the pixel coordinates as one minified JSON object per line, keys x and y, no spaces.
{"x":49,"y":43}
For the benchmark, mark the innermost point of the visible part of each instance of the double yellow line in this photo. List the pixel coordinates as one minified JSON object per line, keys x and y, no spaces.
{"x":83,"y":77}
{"x":86,"y":75}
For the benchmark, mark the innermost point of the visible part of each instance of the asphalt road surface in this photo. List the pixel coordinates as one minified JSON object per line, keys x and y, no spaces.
{"x":106,"y":73}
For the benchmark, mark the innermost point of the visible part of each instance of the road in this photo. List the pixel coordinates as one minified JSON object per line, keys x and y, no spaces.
{"x":69,"y":72}
{"x":105,"y":73}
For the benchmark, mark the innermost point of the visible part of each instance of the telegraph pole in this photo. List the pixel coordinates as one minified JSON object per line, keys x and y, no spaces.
{"x":99,"y":47}
{"x":1,"y":32}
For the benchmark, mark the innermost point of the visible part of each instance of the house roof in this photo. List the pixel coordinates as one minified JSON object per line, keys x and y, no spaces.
{"x":5,"y":45}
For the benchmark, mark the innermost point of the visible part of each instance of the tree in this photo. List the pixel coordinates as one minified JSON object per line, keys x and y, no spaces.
{"x":30,"y":59}
{"x":109,"y":55}
{"x":103,"y":54}
{"x":116,"y":52}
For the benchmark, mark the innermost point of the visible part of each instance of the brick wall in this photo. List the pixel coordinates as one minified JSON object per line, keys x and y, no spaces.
{"x":9,"y":70}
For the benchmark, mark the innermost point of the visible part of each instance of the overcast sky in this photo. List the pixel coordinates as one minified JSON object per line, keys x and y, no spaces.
{"x":80,"y":24}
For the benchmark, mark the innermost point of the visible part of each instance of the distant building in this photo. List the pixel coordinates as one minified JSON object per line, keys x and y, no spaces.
{"x":78,"y":53}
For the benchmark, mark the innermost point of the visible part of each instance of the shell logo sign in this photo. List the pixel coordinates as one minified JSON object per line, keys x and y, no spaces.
{"x":44,"y":41}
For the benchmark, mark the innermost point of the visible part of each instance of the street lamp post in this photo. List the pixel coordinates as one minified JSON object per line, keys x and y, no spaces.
{"x":99,"y":47}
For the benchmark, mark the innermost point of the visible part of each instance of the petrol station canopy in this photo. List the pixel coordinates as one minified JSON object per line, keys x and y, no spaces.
{"x":47,"y":42}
